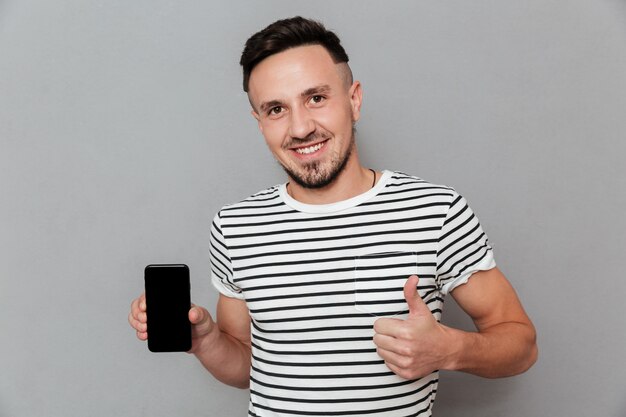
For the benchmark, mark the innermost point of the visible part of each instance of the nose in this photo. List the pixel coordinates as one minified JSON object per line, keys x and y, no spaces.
{"x":301,"y":123}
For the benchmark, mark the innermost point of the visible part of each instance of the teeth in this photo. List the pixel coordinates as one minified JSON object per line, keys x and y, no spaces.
{"x":310,"y":149}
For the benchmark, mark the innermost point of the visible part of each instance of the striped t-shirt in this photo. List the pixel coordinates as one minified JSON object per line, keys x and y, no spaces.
{"x":316,"y":277}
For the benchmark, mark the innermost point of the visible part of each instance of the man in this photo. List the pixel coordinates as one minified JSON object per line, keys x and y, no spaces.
{"x":331,"y":285}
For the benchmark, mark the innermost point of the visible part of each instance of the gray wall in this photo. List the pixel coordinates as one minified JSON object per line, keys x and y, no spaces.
{"x":123,"y":128}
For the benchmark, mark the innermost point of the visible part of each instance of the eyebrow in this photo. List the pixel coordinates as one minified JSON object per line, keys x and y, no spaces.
{"x":318,"y":89}
{"x":269,"y":104}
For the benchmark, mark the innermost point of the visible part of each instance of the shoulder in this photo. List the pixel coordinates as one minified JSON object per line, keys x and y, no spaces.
{"x":258,"y":202}
{"x":411,"y":185}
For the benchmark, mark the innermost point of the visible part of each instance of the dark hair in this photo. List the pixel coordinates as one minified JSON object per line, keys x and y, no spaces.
{"x":284,"y":34}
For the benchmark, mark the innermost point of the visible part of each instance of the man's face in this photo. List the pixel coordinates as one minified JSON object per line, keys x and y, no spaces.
{"x":306,"y":107}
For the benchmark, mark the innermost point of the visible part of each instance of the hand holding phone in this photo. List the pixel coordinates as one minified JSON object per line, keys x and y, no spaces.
{"x":168,"y":301}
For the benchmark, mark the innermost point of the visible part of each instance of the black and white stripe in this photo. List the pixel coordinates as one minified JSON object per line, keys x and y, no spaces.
{"x":315,"y":278}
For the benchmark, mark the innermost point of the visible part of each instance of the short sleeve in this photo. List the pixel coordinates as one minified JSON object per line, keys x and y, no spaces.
{"x":221,"y":267}
{"x":463,"y":247}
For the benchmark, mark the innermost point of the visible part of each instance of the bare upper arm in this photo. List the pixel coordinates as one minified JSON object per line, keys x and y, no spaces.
{"x":489,"y":299}
{"x":233,"y":318}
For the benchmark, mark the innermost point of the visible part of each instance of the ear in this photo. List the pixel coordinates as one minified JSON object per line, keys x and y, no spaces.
{"x":356,"y":98}
{"x":258,"y":119}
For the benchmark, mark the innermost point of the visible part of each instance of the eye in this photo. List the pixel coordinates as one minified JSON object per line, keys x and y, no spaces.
{"x":317,"y":99}
{"x":276,"y":110}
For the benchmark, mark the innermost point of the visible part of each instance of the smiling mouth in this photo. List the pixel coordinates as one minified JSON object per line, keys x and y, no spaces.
{"x":306,"y":150}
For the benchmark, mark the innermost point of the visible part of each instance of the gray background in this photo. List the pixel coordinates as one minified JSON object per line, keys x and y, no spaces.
{"x":123,"y":128}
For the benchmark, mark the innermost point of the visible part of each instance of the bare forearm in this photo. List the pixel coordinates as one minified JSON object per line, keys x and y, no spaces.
{"x":503,"y":350}
{"x":227,"y":359}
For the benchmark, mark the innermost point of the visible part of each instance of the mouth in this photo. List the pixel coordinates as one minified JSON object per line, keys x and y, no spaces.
{"x":310,"y":149}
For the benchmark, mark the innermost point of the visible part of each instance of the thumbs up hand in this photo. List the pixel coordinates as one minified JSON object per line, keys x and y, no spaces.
{"x":417,"y":346}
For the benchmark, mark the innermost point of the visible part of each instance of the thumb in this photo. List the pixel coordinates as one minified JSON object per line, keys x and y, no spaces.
{"x":197,"y":314}
{"x":417,"y":307}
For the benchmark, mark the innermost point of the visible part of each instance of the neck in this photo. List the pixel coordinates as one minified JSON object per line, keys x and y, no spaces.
{"x":355,"y":179}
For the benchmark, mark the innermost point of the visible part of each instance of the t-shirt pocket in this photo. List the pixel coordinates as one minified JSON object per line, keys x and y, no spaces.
{"x":379,"y":280}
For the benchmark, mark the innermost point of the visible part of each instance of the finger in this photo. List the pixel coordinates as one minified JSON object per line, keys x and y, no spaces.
{"x":139,"y":316}
{"x":138,"y":307}
{"x":140,"y":328}
{"x":136,"y":324}
{"x":417,"y":307}
{"x":395,"y":369}
{"x":409,"y":371}
{"x":387,"y":343}
{"x":134,"y":307}
{"x":392,"y":358}
{"x":389,"y":327}
{"x":400,"y":371}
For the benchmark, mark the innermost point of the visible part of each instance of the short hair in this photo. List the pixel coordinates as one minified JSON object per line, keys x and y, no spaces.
{"x":285,"y":34}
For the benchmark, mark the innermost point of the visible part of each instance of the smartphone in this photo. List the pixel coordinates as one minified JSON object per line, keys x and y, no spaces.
{"x":168,"y":300}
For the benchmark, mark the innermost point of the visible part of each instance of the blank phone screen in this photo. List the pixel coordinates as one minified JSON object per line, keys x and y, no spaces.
{"x":167,"y":307}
